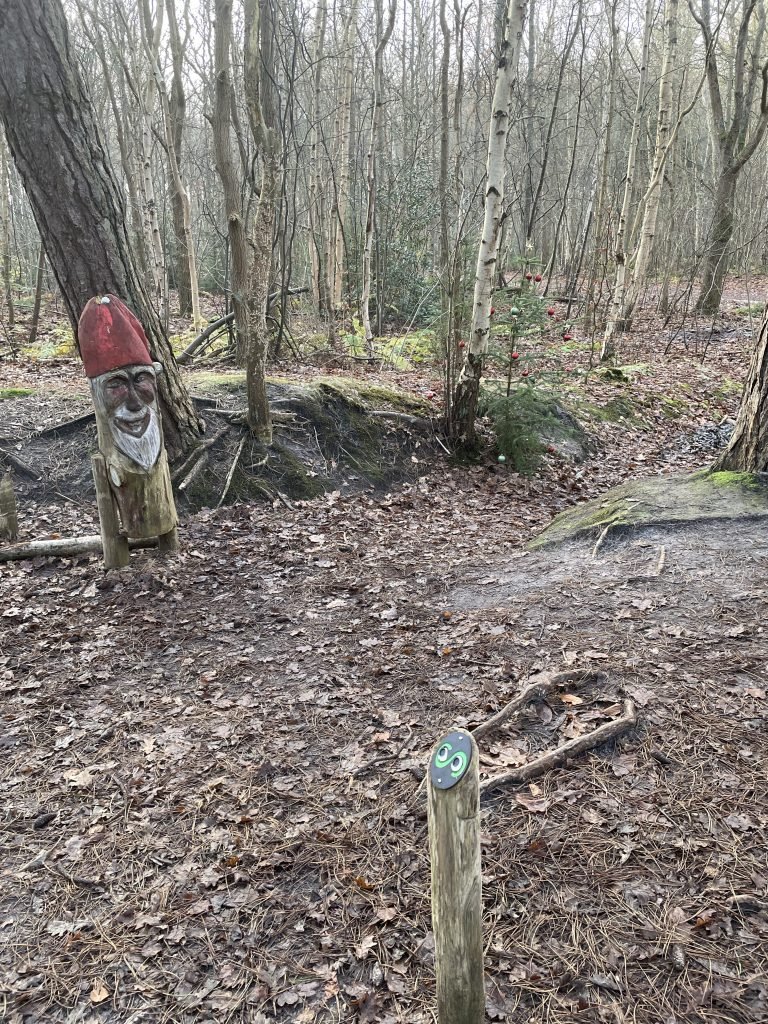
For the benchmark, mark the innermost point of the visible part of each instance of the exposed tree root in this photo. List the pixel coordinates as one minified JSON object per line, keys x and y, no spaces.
{"x":557,"y":757}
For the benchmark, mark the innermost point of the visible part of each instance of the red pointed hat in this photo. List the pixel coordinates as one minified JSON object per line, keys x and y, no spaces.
{"x":110,"y":337}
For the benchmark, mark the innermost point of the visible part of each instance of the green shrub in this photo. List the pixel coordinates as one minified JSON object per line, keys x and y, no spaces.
{"x":523,"y":421}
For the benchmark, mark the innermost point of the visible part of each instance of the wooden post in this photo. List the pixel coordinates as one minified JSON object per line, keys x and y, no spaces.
{"x":453,"y":802}
{"x":114,"y":544}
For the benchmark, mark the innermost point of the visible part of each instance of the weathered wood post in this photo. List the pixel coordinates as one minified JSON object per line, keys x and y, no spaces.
{"x":130,"y":470}
{"x":453,"y":802}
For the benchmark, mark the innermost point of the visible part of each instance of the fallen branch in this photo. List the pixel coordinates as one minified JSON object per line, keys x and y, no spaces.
{"x":557,"y":757}
{"x":232,"y":469}
{"x":18,"y":465}
{"x":195,"y":471}
{"x":534,"y":691}
{"x":197,"y":343}
{"x":64,"y":547}
{"x":402,"y":417}
{"x":195,"y":453}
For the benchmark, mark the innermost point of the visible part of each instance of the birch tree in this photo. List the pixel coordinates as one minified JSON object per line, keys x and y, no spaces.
{"x":665,"y":138}
{"x":468,"y":386}
{"x":619,"y":284}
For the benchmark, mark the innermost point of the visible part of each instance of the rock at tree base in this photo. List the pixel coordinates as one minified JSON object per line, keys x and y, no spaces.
{"x":664,"y":500}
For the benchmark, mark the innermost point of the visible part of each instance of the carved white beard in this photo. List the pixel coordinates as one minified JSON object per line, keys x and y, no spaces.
{"x":143,"y":450}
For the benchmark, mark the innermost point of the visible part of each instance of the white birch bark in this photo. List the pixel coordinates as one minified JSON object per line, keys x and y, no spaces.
{"x":468,"y":387}
{"x":318,"y":248}
{"x":664,"y":140}
{"x":344,"y":136}
{"x":617,"y":302}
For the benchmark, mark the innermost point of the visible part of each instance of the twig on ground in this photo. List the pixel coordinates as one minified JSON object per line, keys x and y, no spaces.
{"x":67,"y":427}
{"x":557,"y":757}
{"x":661,"y":561}
{"x":232,"y":468}
{"x":195,"y":471}
{"x":534,"y":691}
{"x":599,"y":541}
{"x":195,"y":453}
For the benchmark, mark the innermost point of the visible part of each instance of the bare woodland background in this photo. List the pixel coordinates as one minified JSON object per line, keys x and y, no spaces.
{"x":371,"y":149}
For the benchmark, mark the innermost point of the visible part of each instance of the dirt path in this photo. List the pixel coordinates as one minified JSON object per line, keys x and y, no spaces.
{"x":211,"y":769}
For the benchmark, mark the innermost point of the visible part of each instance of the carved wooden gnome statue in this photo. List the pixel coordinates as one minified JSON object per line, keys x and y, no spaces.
{"x":133,"y":483}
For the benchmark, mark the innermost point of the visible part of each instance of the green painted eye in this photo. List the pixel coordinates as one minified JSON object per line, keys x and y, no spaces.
{"x":443,"y":755}
{"x":458,"y":764}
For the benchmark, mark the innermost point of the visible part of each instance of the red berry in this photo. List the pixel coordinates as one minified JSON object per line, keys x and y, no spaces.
{"x":430,"y":394}
{"x":515,"y":355}
{"x":529,"y":276}
{"x":525,"y":373}
{"x":462,"y":344}
{"x":567,"y":337}
{"x":492,"y":310}
{"x":537,"y":278}
{"x":550,"y":448}
{"x":551,"y":311}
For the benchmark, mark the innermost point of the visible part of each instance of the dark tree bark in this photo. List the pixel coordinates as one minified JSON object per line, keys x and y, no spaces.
{"x":51,"y":127}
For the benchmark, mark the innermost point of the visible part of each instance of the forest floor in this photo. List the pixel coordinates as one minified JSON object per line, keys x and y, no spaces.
{"x":211,"y":791}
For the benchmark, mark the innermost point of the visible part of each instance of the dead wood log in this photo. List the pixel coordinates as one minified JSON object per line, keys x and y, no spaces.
{"x":534,"y":691}
{"x":197,"y":468}
{"x":64,"y":547}
{"x":556,"y":758}
{"x":18,"y":465}
{"x":198,"y":344}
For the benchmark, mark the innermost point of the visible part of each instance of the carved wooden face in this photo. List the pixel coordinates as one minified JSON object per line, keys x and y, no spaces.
{"x":127,"y":400}
{"x":128,"y":395}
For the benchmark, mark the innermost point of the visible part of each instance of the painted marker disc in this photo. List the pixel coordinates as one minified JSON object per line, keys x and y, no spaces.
{"x":450,"y":760}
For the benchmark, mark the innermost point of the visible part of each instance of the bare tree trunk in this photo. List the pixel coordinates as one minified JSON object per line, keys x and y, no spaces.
{"x":468,"y":387}
{"x":731,"y":143}
{"x":534,"y":205}
{"x":47,"y":110}
{"x":614,"y":316}
{"x":344,"y":178}
{"x":382,"y":38}
{"x":317,"y":224}
{"x":151,"y":220}
{"x":602,"y":189}
{"x":35,"y":321}
{"x":747,"y":451}
{"x":230,"y":183}
{"x":5,"y":235}
{"x":258,"y":75}
{"x":174,"y":113}
{"x":665,"y":137}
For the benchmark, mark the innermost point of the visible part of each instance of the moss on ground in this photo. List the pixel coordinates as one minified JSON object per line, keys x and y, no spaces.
{"x":689,"y":498}
{"x":325,"y":438}
{"x":15,"y":393}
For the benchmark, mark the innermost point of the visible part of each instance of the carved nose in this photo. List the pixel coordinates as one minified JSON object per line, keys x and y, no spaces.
{"x":133,"y":402}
